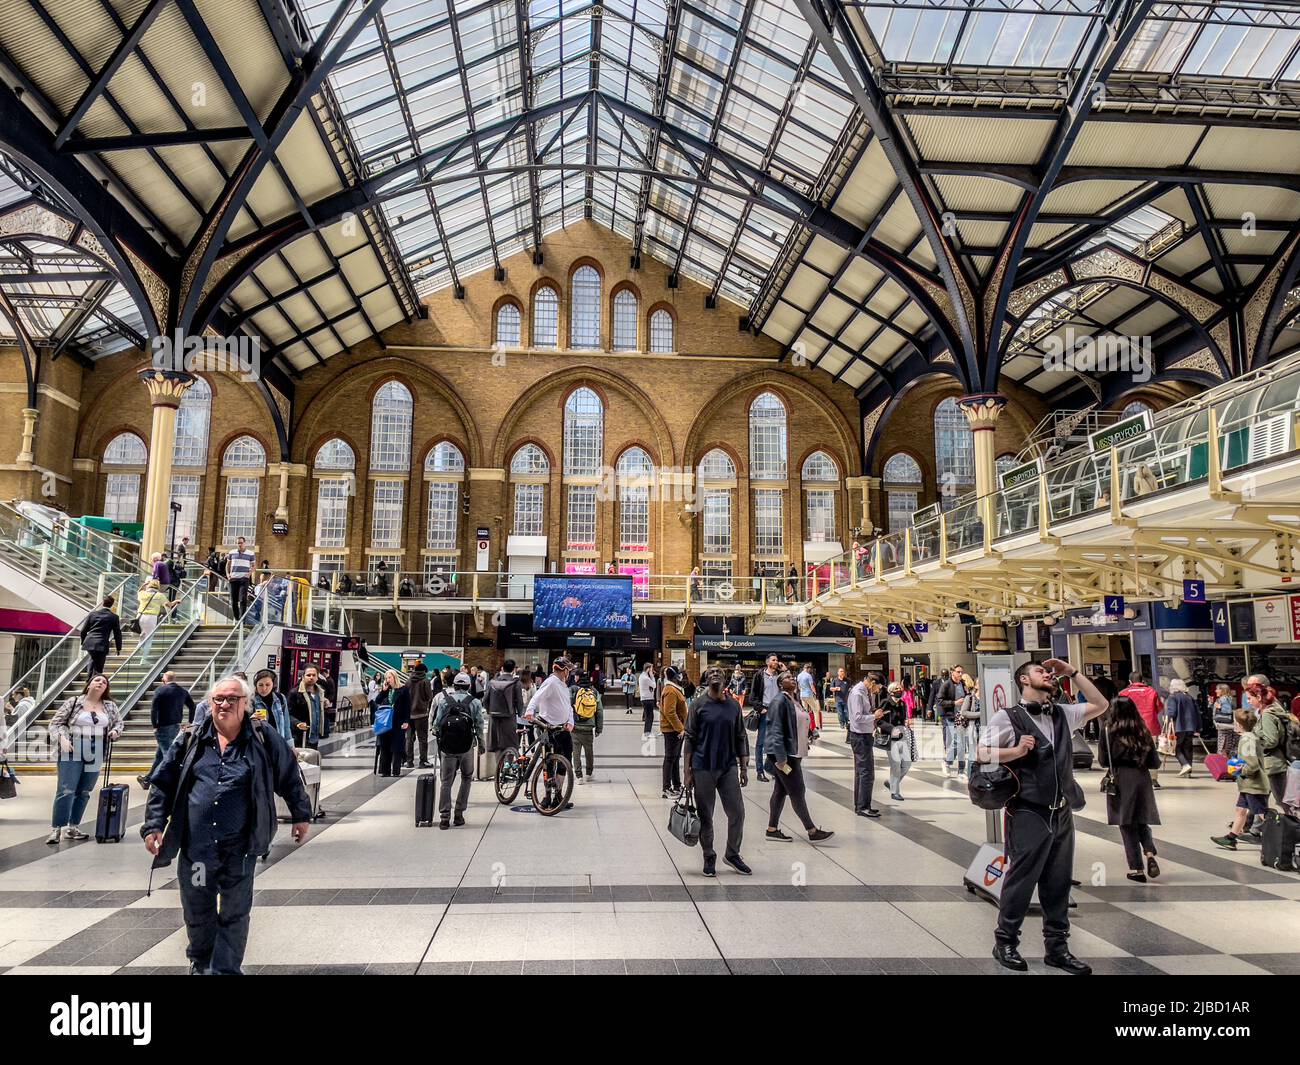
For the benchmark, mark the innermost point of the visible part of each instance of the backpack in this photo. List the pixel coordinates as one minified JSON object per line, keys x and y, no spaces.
{"x":456,"y":733}
{"x":1290,"y":745}
{"x":499,"y":702}
{"x":585,"y":703}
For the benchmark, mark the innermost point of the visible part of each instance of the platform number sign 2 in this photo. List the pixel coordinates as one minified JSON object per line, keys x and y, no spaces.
{"x":1114,"y":606}
{"x":1193,"y":591}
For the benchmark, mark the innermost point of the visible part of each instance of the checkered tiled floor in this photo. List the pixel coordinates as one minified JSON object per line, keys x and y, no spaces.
{"x":605,"y":889}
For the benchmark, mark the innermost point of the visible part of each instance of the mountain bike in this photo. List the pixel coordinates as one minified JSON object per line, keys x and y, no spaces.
{"x":547,"y":773}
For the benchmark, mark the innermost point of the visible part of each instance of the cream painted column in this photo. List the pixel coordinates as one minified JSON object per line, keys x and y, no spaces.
{"x":166,"y":390}
{"x":982,"y":413}
{"x":30,"y":415}
{"x":865,"y":486}
{"x":282,"y":503}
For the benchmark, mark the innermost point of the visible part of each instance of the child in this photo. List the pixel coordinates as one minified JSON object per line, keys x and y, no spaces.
{"x":1252,"y":784}
{"x":588,"y":723}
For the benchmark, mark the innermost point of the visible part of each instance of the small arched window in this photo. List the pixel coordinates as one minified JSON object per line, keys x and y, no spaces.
{"x":661,"y":332}
{"x":1135,"y":408}
{"x":244,"y":452}
{"x":902,"y":469}
{"x":444,"y":458}
{"x":584,"y":319}
{"x":390,"y":428}
{"x":625,"y":316}
{"x":819,"y":466}
{"x":767,"y":438}
{"x":335,"y":454}
{"x":546,"y":317}
{"x":717,"y":466}
{"x":125,"y":449}
{"x":530,"y":459}
{"x":508,"y":325}
{"x":1002,"y":464}
{"x":634,"y":462}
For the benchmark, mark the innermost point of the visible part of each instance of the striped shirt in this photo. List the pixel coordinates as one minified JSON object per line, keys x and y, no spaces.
{"x":240,"y":564}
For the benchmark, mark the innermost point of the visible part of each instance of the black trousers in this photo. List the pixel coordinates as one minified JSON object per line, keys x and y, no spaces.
{"x":418,"y":733}
{"x":864,"y":769}
{"x":238,"y":596}
{"x":1040,"y":850}
{"x":788,"y":784}
{"x":647,"y":715}
{"x":96,"y":660}
{"x":725,"y":784}
{"x":562,"y":740}
{"x":1137,"y":842}
{"x":672,"y":760}
{"x":1277,"y":782}
{"x":392,"y":750}
{"x":1183,"y":747}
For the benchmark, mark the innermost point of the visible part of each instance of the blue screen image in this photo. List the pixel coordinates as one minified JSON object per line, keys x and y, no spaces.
{"x":565,"y":603}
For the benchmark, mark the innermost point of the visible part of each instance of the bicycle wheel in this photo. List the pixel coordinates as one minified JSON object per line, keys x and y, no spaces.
{"x":510,"y":776}
{"x":552,"y":784}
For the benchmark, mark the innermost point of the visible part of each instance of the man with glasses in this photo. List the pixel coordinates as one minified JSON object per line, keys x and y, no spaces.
{"x":239,"y":572}
{"x":212,"y":802}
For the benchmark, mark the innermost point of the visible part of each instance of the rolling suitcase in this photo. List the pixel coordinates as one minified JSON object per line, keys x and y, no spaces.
{"x":426,"y":791}
{"x":311,"y":778}
{"x":1279,"y":839}
{"x":1217,"y":765}
{"x":485,"y":764}
{"x":110,"y":817}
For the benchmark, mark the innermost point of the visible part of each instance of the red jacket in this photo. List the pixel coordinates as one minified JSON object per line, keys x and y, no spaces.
{"x":1149,"y":704}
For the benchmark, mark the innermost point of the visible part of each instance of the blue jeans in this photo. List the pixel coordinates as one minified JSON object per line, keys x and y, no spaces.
{"x":842,"y":712}
{"x":166,"y":736}
{"x":760,"y":754}
{"x":949,"y":741}
{"x":217,"y":937}
{"x":76,"y":781}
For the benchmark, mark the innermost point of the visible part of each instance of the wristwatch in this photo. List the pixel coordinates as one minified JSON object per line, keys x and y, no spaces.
{"x":1073,"y":675}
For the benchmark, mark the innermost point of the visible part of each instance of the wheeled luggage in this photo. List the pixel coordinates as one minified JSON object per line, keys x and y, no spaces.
{"x":1217,"y":766}
{"x":485,"y":764}
{"x":310,"y":769}
{"x":110,"y":816}
{"x":1081,"y":752}
{"x":1279,"y":840}
{"x":426,"y":792}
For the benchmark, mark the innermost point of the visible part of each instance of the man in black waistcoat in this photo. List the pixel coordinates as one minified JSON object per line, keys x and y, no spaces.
{"x":1033,"y":739}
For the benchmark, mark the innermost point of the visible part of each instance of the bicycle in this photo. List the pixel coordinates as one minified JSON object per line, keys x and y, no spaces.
{"x":547,"y":773}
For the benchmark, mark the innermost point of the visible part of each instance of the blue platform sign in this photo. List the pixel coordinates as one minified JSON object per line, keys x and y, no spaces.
{"x":1219,"y":616}
{"x":921,"y":627}
{"x":895,"y":629}
{"x":1114,"y":606}
{"x":867,"y":630}
{"x":1193,"y":591}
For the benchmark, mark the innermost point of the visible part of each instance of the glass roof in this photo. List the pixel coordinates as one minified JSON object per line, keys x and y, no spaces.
{"x":613,"y":88}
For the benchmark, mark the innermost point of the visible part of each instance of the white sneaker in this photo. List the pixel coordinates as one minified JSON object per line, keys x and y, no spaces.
{"x":946,"y":772}
{"x":72,"y":832}
{"x":54,"y":836}
{"x":1186,"y":771}
{"x":582,"y":780}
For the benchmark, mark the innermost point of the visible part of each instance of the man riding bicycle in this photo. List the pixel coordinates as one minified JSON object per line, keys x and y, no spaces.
{"x":552,"y":707}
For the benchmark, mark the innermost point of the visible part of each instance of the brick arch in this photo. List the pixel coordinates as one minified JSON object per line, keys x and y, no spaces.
{"x":586,"y":260}
{"x":626,"y":286}
{"x":728,"y":449}
{"x":644,"y":445}
{"x":379,"y":383}
{"x":434,"y":441}
{"x":109,"y":435}
{"x":230,"y":438}
{"x":309,"y":455}
{"x":515,"y":445}
{"x":604,"y":383}
{"x":839,"y":461}
{"x":785,"y":387}
{"x":921,"y":463}
{"x":416,"y":377}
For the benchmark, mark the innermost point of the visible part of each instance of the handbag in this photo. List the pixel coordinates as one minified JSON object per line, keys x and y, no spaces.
{"x":1167,"y":744}
{"x":881,"y":739}
{"x":8,"y":782}
{"x":1108,"y":786}
{"x":751,"y":721}
{"x":683,"y":820}
{"x":383,"y":720}
{"x":991,"y":787}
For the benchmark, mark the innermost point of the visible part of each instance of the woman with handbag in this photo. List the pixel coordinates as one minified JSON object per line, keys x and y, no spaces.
{"x":1185,"y":717}
{"x":716,"y":759}
{"x":150,"y":600}
{"x":894,"y":734}
{"x":392,"y":742}
{"x":787,"y":743}
{"x":1224,"y":705}
{"x":83,"y":727}
{"x":1128,"y":754}
{"x":968,"y":723}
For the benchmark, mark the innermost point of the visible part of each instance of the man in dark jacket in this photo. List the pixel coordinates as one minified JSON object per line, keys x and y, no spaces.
{"x":101,"y":625}
{"x":212,"y":802}
{"x":505,"y":705}
{"x":763,"y":692}
{"x":165,"y":712}
{"x":952,"y":690}
{"x":421,"y":699}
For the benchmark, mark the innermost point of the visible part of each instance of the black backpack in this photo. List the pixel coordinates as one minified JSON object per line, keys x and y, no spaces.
{"x":456,"y":733}
{"x":1291,"y":741}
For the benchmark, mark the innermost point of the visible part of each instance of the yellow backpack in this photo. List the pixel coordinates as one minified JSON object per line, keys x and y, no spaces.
{"x":584,"y":703}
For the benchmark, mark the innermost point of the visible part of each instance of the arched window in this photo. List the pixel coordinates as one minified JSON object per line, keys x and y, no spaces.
{"x":634,"y":472}
{"x":1002,"y":464}
{"x":508,"y":325}
{"x":625,"y":315}
{"x":661,"y":331}
{"x":121,"y":488}
{"x":390,"y":428}
{"x":584,"y":432}
{"x":1135,"y":408}
{"x":819,"y":466}
{"x":546,"y":317}
{"x":819,"y":503}
{"x":715,"y":476}
{"x":192,"y":420}
{"x":444,"y":458}
{"x":954,"y":452}
{"x":767,"y":438}
{"x":244,"y":452}
{"x":242,"y":493}
{"x":902,"y":483}
{"x":529,"y":470}
{"x":584,"y":317}
{"x":334,"y":464}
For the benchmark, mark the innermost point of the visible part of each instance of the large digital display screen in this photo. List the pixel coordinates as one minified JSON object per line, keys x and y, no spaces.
{"x":565,"y":603}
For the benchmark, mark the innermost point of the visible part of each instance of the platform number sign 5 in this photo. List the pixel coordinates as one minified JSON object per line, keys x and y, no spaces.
{"x":1193,"y":591}
{"x":1114,"y":606}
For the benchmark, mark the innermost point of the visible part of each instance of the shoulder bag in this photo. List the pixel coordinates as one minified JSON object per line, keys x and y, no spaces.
{"x":991,"y":787}
{"x":1167,"y":744}
{"x":684,"y":820}
{"x":1108,"y":786}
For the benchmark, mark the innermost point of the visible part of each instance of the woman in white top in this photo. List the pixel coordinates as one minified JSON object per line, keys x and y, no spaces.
{"x":82,"y":727}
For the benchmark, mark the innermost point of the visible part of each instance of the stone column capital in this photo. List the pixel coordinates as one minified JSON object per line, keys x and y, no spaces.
{"x":166,"y":387}
{"x":982,"y":409}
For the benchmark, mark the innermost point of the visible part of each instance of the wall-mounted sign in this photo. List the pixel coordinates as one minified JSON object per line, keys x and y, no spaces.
{"x":1193,"y":591}
{"x":280,"y":528}
{"x":1120,"y":432}
{"x":1219,"y":618}
{"x":1272,"y":620}
{"x":1030,"y":471}
{"x":484,"y":535}
{"x":930,"y":513}
{"x":1114,"y":606}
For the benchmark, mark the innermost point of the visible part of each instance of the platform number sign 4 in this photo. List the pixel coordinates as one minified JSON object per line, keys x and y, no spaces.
{"x":1114,"y":606}
{"x":1219,"y":616}
{"x":1193,"y":591}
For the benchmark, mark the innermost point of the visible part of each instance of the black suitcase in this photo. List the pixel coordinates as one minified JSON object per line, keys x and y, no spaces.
{"x":1281,"y":835}
{"x":426,"y":790}
{"x":110,"y":818}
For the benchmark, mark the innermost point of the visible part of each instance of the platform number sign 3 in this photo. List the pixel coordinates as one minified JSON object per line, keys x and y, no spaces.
{"x":1114,"y":606}
{"x":1193,"y":591}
